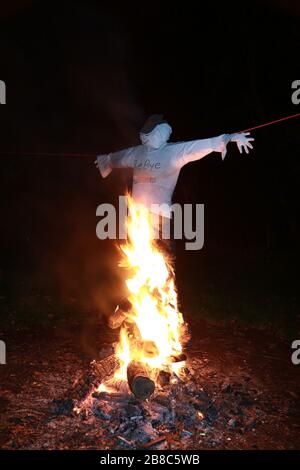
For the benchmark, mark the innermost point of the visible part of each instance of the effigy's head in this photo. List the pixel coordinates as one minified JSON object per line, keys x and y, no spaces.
{"x":155,"y":132}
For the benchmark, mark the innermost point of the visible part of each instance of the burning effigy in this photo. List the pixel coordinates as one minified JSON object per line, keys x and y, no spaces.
{"x":152,"y":328}
{"x":147,"y":368}
{"x":149,"y":351}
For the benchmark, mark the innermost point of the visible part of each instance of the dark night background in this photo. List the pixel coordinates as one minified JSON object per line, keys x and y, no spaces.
{"x":82,"y":77}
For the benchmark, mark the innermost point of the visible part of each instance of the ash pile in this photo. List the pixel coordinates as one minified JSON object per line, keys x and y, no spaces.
{"x":176,"y":413}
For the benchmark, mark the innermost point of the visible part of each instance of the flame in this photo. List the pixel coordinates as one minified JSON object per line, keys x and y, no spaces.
{"x":152,"y":331}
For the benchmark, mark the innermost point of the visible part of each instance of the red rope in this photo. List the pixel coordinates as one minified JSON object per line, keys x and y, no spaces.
{"x":37,"y":154}
{"x":271,"y":122}
{"x":92,"y":155}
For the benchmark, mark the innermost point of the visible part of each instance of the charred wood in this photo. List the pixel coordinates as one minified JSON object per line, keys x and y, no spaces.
{"x":139,"y":380}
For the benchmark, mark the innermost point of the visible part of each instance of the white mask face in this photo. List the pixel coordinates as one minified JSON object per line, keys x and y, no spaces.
{"x":158,"y":137}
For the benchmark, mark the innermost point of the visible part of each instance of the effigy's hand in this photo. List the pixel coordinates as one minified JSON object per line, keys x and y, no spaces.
{"x":243,"y":141}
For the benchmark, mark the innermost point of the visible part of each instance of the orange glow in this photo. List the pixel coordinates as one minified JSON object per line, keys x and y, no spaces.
{"x":152,"y":330}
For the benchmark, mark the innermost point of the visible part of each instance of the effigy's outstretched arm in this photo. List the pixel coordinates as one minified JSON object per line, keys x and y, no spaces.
{"x":121,"y":159}
{"x":197,"y":149}
{"x":243,"y":141}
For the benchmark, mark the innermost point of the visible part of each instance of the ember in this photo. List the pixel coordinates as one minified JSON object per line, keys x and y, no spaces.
{"x":236,"y":395}
{"x":174,"y":413}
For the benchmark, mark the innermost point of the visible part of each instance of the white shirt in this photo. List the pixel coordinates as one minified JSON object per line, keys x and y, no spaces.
{"x":156,"y":170}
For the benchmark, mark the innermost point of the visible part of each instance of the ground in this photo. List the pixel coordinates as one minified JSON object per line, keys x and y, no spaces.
{"x":249,"y":389}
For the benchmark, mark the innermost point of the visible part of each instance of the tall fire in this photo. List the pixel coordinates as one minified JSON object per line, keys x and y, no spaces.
{"x":152,"y":330}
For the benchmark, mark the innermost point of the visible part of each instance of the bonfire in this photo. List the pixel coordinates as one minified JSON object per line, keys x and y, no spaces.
{"x":152,"y":330}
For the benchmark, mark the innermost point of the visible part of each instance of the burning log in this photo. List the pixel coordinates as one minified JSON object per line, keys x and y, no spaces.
{"x":139,"y":381}
{"x":106,"y":368}
{"x":120,"y":386}
{"x":117,"y":318}
{"x":179,"y":358}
